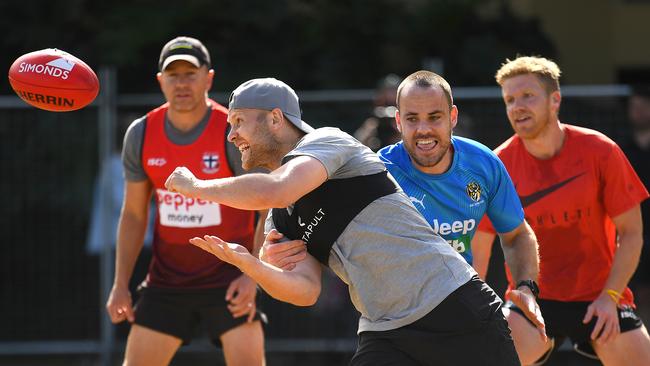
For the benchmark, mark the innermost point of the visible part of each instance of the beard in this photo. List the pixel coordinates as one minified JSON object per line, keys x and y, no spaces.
{"x":428,"y":160}
{"x":263,"y":152}
{"x":535,"y":129}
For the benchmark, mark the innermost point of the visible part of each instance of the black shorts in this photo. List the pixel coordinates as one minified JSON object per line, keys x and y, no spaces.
{"x":564,"y":319}
{"x":182,"y":312}
{"x":467,"y":328}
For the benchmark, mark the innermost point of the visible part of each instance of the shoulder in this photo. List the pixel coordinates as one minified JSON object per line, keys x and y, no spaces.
{"x":471,"y":147}
{"x":342,"y":155}
{"x":218,"y":108}
{"x":588,"y":138}
{"x":135,"y":132}
{"x":328,"y":135}
{"x":509,"y":147}
{"x":473,"y":152}
{"x":596,"y":147}
{"x":390,"y":154}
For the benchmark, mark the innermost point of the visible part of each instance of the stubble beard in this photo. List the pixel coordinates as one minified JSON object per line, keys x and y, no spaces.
{"x":540,"y":123}
{"x":432,"y":160}
{"x":262,"y":154}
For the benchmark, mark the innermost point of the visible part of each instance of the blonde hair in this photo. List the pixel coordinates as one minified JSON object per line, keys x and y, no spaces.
{"x":546,"y":71}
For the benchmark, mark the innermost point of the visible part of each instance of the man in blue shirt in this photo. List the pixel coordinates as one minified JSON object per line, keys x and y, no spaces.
{"x":454,"y":181}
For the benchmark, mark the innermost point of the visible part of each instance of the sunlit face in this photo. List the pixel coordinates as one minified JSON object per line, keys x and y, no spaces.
{"x":185,"y":86}
{"x":249,"y":131}
{"x":425,"y":121}
{"x":529,"y":106}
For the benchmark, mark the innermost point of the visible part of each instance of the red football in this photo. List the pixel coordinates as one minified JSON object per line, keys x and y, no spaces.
{"x":53,"y":80}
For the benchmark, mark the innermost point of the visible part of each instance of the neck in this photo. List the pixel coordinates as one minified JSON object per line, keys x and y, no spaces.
{"x":187,"y":120}
{"x":548,"y":143}
{"x":286,"y":143}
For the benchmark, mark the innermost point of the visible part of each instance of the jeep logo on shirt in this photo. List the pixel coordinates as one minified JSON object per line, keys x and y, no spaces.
{"x":455,"y":227}
{"x":461,"y":243}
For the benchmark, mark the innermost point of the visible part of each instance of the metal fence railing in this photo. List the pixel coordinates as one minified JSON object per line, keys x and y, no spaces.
{"x":54,"y":285}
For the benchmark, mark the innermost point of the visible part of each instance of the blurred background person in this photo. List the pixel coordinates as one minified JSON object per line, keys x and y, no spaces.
{"x":637,"y":149}
{"x":380,"y":129}
{"x":184,"y":288}
{"x":105,"y":214}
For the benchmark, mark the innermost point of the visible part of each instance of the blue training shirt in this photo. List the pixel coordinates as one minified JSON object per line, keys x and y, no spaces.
{"x":454,"y":202}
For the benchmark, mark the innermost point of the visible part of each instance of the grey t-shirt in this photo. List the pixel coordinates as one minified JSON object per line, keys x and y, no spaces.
{"x":132,"y":146}
{"x":396,"y":268}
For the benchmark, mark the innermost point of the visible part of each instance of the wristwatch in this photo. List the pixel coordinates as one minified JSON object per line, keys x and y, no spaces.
{"x":531,"y":284}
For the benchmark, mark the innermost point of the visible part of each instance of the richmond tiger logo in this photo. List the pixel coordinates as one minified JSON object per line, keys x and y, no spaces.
{"x":473,"y":190}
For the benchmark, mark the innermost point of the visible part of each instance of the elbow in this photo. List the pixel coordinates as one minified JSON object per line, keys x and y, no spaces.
{"x":309,"y":297}
{"x":631,"y":239}
{"x":306,"y":301}
{"x":282,"y":203}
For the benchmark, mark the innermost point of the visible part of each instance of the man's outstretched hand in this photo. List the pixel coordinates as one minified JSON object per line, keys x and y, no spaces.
{"x":525,"y":301}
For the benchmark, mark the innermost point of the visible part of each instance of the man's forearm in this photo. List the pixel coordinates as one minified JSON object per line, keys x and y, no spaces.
{"x":246,"y":192}
{"x":295,"y":287}
{"x":521,"y":255}
{"x":258,"y":238}
{"x":130,"y":239}
{"x":279,"y":188}
{"x":481,"y":251}
{"x":626,"y":260}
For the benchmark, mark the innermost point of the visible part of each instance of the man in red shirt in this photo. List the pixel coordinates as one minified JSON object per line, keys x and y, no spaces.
{"x":578,"y":191}
{"x":185,"y":286}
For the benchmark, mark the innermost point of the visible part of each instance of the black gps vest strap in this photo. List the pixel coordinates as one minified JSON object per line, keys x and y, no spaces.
{"x":319,"y":217}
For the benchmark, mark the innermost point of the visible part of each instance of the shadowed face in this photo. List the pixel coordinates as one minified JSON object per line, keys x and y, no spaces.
{"x":425,"y":121}
{"x":529,"y":106}
{"x":639,"y":112}
{"x":249,"y":131}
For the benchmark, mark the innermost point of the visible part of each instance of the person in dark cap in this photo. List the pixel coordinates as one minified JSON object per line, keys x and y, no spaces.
{"x":185,"y":286}
{"x":420,"y":302}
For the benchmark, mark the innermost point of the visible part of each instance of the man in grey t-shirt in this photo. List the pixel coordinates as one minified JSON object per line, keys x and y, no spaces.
{"x":420,"y":302}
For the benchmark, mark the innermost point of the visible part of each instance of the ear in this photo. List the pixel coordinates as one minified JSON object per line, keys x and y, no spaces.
{"x":210,"y":79}
{"x":159,"y":78}
{"x":398,"y":121}
{"x":278,"y":117}
{"x":453,"y":116}
{"x":555,"y":100}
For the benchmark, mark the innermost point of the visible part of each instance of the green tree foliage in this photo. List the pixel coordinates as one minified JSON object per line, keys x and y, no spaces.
{"x":310,"y":44}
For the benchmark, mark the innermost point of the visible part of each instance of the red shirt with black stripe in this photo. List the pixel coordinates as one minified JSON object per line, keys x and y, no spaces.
{"x":569,"y":200}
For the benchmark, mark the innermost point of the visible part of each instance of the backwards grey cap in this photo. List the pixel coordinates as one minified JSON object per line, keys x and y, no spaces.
{"x":267,"y":94}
